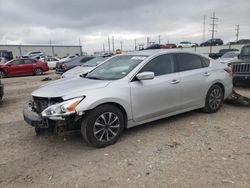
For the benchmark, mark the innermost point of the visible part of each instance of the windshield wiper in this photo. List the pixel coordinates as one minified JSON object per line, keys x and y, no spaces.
{"x":93,"y":78}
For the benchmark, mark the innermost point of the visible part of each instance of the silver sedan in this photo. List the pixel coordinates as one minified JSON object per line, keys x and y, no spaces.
{"x":129,"y":90}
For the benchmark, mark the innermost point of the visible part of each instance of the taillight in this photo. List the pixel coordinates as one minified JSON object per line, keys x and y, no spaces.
{"x":229,"y":70}
{"x":64,"y":66}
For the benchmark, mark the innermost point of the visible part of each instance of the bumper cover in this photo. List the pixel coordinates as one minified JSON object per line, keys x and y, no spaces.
{"x":32,"y":118}
{"x":241,"y":77}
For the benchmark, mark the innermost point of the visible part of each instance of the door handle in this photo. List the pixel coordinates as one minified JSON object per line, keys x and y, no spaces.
{"x":206,"y":74}
{"x":175,"y":81}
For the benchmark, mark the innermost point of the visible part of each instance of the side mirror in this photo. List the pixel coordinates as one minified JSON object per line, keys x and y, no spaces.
{"x":145,"y":76}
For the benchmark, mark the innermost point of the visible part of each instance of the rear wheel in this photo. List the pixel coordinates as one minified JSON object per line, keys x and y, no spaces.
{"x":102,"y":126}
{"x":214,"y":99}
{"x":38,"y":71}
{"x":2,"y":74}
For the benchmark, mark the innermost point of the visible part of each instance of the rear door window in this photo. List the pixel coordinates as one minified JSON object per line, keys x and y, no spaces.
{"x":188,"y":62}
{"x":29,"y":61}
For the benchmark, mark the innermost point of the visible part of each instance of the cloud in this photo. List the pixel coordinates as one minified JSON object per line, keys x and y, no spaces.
{"x":65,"y":22}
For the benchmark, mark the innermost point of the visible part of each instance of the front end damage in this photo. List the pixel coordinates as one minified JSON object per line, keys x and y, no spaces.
{"x":53,"y":115}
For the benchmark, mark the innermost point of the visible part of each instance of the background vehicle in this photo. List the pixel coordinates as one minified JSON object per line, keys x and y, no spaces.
{"x":128,"y":90}
{"x":186,"y":44}
{"x":241,"y":41}
{"x":23,"y":66}
{"x":228,"y":57}
{"x":33,"y":54}
{"x":67,"y":58}
{"x":161,"y":46}
{"x":84,"y":68}
{"x":52,"y":61}
{"x":241,"y":67}
{"x":67,"y":65}
{"x":1,"y":90}
{"x":6,"y":54}
{"x":212,"y":42}
{"x":221,"y":53}
{"x":168,"y":46}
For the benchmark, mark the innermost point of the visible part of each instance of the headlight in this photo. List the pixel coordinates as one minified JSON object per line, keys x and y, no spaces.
{"x":62,"y":109}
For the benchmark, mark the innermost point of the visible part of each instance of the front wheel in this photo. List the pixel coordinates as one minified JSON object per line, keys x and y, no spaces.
{"x":2,"y":74}
{"x":214,"y":99}
{"x":102,"y":126}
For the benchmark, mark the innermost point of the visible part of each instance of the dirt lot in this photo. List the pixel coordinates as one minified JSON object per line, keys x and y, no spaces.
{"x":189,"y":150}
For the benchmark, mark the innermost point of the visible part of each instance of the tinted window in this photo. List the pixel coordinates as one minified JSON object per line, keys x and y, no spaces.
{"x":29,"y":61}
{"x":161,"y":65}
{"x":85,"y":59}
{"x":206,"y":61}
{"x":188,"y":62}
{"x":246,"y":51}
{"x":16,"y":62}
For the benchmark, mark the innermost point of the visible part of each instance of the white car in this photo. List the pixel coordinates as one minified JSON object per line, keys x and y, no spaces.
{"x":229,"y":57}
{"x":67,"y":58}
{"x":33,"y":54}
{"x":186,"y":44}
{"x":51,"y":61}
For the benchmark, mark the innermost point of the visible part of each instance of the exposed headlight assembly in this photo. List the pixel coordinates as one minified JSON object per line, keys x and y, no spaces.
{"x":62,"y":109}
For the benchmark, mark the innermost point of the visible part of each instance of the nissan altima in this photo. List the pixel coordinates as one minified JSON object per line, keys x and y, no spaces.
{"x":129,"y":90}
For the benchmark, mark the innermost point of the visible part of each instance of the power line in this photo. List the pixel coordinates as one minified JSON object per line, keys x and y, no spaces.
{"x":237,"y":32}
{"x":213,"y":24}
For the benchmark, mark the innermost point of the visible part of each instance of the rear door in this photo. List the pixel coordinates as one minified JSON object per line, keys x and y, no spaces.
{"x":159,"y":96}
{"x":29,"y":65}
{"x":194,"y":77}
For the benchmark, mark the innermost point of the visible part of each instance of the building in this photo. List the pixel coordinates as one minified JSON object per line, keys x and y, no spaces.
{"x":50,"y":50}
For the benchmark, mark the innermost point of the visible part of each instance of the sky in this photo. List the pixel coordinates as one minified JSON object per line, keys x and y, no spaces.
{"x":90,"y":22}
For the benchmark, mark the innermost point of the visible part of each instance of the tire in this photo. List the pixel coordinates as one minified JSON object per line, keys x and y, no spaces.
{"x":2,"y":74}
{"x":38,"y":71}
{"x":102,"y":126}
{"x":214,"y":99}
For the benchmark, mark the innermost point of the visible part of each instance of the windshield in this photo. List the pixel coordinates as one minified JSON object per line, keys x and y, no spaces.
{"x":95,"y":61}
{"x":230,"y":55}
{"x":116,"y":67}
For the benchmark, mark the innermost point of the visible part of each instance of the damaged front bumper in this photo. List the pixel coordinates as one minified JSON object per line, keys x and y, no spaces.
{"x":34,"y":119}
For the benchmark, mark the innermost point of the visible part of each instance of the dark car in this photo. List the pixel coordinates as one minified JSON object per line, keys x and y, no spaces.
{"x":241,"y":41}
{"x":23,"y":66}
{"x":241,"y":67}
{"x":1,"y":90}
{"x":154,"y":46}
{"x":212,"y":42}
{"x":62,"y":67}
{"x":6,"y":54}
{"x":221,"y":53}
{"x":161,"y":46}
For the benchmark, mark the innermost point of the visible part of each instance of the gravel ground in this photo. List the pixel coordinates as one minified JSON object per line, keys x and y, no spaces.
{"x":189,"y":150}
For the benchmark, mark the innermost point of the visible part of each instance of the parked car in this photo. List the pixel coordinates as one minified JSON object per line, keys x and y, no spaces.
{"x":52,"y":61}
{"x":7,"y":55}
{"x":168,"y":46}
{"x":212,"y":42}
{"x":33,"y":54}
{"x":1,"y":90}
{"x":62,"y":67}
{"x":241,"y":41}
{"x":186,"y":44}
{"x":221,"y":53}
{"x":229,"y":57}
{"x":84,"y":68}
{"x":67,"y":58}
{"x":129,"y":90}
{"x":154,"y":46}
{"x":23,"y":66}
{"x":241,"y":67}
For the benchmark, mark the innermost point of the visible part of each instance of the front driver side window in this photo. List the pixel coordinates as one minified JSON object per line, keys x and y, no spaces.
{"x":17,"y":62}
{"x":163,"y":64}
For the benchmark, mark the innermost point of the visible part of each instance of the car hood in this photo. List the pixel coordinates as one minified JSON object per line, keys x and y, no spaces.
{"x":69,"y":87}
{"x":77,"y":71}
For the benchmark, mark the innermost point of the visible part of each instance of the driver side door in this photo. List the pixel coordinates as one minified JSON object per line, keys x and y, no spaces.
{"x":159,"y":96}
{"x":16,"y":67}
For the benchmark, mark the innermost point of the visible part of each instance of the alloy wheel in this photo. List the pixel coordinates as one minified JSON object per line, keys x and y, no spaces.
{"x":215,"y":98}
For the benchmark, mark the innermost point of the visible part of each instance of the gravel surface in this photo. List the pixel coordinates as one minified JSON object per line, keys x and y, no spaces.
{"x":188,"y":150}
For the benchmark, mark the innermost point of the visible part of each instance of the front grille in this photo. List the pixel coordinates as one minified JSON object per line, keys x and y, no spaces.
{"x":241,"y":68}
{"x":40,"y":103}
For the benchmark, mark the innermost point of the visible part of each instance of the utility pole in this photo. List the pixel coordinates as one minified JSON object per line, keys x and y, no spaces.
{"x":147,"y":41}
{"x":159,"y":39}
{"x":109,"y":43}
{"x":113,"y":43}
{"x":204,"y":29}
{"x":213,"y":24}
{"x":237,"y":32}
{"x":121,"y":44}
{"x":135,"y":44}
{"x":80,"y":44}
{"x":213,"y":31}
{"x":103,"y":47}
{"x":52,"y":47}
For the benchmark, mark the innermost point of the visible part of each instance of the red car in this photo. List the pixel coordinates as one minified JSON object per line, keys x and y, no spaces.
{"x":169,"y":45}
{"x":23,"y":66}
